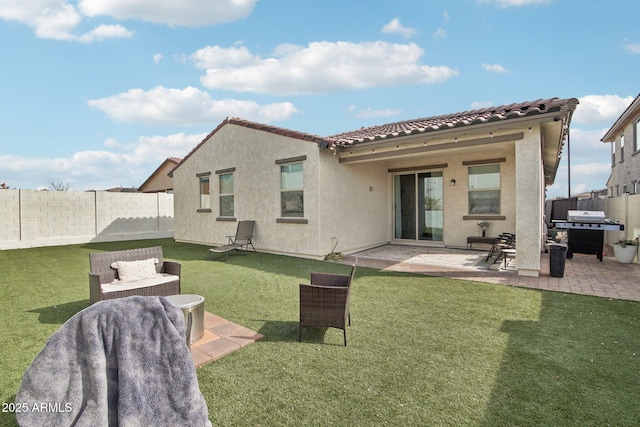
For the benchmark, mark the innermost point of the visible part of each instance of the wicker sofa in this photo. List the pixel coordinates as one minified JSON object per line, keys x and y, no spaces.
{"x":143,"y":271}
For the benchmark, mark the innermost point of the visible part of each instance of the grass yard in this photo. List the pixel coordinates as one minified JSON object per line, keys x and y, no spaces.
{"x":422,"y":350}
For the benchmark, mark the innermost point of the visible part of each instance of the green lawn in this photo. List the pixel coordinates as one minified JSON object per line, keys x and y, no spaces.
{"x":422,"y":351}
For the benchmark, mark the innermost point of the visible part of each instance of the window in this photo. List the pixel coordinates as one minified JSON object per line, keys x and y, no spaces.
{"x":205,"y":200}
{"x":636,"y":130}
{"x":484,"y":189}
{"x":613,"y":153}
{"x":622,"y":148}
{"x":226,"y":194}
{"x":291,"y":190}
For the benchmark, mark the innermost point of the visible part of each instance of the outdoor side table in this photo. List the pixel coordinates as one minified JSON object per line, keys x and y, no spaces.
{"x":191,"y":305}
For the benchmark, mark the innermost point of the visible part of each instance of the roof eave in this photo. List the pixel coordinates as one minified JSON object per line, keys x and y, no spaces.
{"x":618,"y":127}
{"x":455,"y":132}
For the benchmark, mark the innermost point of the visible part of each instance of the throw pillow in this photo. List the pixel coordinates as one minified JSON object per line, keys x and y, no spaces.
{"x":136,"y":270}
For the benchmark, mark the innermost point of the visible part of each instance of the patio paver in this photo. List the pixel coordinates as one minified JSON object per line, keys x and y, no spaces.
{"x":583,"y":274}
{"x":220,"y":338}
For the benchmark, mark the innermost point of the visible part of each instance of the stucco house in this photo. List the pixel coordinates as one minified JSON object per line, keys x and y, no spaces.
{"x":160,"y":181}
{"x":420,"y":182}
{"x":625,"y":161}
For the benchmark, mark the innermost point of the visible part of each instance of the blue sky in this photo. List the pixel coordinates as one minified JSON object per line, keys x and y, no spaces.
{"x":97,"y":93}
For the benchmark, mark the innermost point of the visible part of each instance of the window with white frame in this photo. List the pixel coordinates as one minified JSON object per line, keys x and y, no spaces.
{"x":205,"y":199}
{"x":484,"y":189}
{"x":622,"y":147}
{"x":291,"y":190}
{"x":636,"y":131}
{"x":226,"y":196}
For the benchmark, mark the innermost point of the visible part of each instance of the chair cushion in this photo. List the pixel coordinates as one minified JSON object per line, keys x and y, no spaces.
{"x":118,"y":285}
{"x":136,"y":270}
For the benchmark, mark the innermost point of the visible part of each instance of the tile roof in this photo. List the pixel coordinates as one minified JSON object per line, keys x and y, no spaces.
{"x":455,"y":120}
{"x":320,"y":140}
{"x":409,"y":127}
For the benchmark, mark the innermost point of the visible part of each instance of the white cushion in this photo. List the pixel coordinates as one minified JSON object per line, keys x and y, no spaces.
{"x":136,"y":270}
{"x":118,"y":285}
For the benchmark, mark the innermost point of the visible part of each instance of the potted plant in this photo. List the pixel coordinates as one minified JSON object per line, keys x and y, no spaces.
{"x":484,"y":225}
{"x":625,"y":250}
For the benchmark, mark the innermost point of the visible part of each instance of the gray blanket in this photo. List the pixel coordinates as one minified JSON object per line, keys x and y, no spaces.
{"x":122,"y":362}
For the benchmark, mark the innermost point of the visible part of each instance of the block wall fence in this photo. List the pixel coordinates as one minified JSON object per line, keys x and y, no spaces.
{"x":625,"y":209}
{"x":30,"y":218}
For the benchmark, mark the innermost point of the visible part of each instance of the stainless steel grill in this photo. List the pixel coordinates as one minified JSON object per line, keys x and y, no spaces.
{"x":585,"y":231}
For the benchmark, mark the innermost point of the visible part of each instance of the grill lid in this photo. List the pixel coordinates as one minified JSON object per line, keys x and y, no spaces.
{"x":596,"y":217}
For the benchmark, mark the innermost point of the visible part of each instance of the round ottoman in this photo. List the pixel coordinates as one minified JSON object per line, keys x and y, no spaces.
{"x":191,"y":305}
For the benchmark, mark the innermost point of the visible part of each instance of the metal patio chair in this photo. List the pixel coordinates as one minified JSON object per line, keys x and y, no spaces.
{"x":241,"y":240}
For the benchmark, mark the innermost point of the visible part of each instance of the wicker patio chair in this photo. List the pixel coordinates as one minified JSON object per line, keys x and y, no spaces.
{"x":242,"y":239}
{"x":325,"y":302}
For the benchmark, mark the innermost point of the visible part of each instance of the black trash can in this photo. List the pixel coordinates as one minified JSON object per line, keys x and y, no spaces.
{"x":557,"y":257}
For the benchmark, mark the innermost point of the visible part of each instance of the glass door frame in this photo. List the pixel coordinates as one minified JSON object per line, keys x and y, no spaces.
{"x":409,"y":221}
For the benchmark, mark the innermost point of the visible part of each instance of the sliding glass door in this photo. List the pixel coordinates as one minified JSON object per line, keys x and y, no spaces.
{"x":418,"y":206}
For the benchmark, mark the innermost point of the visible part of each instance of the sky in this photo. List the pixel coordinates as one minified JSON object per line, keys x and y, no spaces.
{"x":96,"y":94}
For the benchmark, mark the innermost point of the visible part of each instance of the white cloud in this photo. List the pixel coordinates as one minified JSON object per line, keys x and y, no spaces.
{"x":320,"y":67}
{"x":584,"y":177}
{"x":510,"y":3}
{"x":600,"y":109}
{"x":103,"y":32}
{"x":495,"y":68}
{"x":216,"y":56}
{"x":395,"y":27}
{"x":56,"y":19}
{"x":157,"y":58}
{"x":122,"y":164}
{"x":60,"y":19}
{"x":188,"y":13}
{"x":184,"y":107}
{"x":590,"y":163}
{"x":632,"y":47}
{"x":441,"y":33}
{"x":159,"y":147}
{"x":369,"y":113}
{"x":477,"y":105}
{"x":446,"y":17}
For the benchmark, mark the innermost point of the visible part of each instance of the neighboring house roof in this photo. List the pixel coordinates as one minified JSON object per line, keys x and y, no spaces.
{"x":632,"y":111}
{"x":122,"y":190}
{"x":157,"y":181}
{"x":455,"y":120}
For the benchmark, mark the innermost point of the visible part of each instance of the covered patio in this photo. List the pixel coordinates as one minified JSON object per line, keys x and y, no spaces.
{"x":583,"y":274}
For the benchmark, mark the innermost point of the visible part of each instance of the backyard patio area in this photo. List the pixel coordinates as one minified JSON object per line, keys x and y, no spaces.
{"x":583,"y":274}
{"x":434,"y":339}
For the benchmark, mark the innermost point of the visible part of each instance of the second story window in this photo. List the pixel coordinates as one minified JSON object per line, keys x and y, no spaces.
{"x":622,"y":148}
{"x":613,"y":154}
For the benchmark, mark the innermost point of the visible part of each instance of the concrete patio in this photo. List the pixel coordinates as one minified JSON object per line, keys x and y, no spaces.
{"x":583,"y":274}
